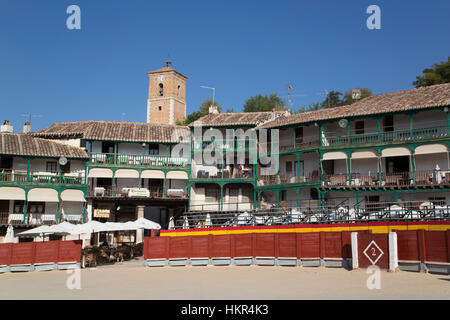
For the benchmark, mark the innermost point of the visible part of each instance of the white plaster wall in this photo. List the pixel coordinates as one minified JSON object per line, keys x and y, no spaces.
{"x":429,"y":119}
{"x":126,"y":183}
{"x":401,"y":122}
{"x":340,"y":166}
{"x":176,"y":184}
{"x":130,"y":148}
{"x":96,"y":146}
{"x":370,"y":126}
{"x":364,"y":166}
{"x":286,"y":137}
{"x":428,"y":162}
{"x":72,"y":208}
{"x":19,"y":164}
{"x":310,"y":133}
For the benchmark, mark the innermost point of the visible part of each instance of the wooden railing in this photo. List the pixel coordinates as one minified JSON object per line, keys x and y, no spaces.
{"x":137,"y":160}
{"x":20,"y":178}
{"x":281,"y":179}
{"x":385,"y":137}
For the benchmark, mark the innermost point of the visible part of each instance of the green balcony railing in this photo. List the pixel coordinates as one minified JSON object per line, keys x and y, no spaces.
{"x":390,"y":136}
{"x":137,"y":160}
{"x":225,"y":145}
{"x":19,"y":178}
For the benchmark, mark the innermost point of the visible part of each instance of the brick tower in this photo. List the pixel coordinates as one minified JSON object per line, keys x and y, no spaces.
{"x":166,"y":102}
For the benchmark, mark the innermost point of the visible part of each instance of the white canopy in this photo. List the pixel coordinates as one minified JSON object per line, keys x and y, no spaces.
{"x":126,"y":173}
{"x":334,"y":155}
{"x":147,"y":224}
{"x":153,"y":174}
{"x":364,"y":154}
{"x":12,"y":193}
{"x":37,"y":231}
{"x":395,"y":152}
{"x":43,"y":195}
{"x":89,"y":227}
{"x":100,"y":173}
{"x":73,"y":195}
{"x":431,"y":148}
{"x":181,"y":175}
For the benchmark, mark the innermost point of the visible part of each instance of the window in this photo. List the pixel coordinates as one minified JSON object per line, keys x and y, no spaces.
{"x":18,"y":206}
{"x":107,"y":147}
{"x":388,"y":123}
{"x":288,"y":167}
{"x":328,"y":167}
{"x":52,"y":166}
{"x":359,"y":127}
{"x":6,"y":162}
{"x":211,"y":195}
{"x":159,"y":108}
{"x":153,"y":149}
{"x":299,"y":135}
{"x":36,"y":207}
{"x":372,"y":203}
{"x":66,"y":168}
{"x":161,"y":89}
{"x":283,"y":195}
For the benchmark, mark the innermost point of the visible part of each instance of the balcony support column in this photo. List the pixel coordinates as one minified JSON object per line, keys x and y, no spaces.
{"x":140,"y":179}
{"x":447,"y":118}
{"x":349,"y":167}
{"x":58,"y":208}
{"x":115,"y":152}
{"x":357,"y":200}
{"x":411,"y":125}
{"x":297,"y":191}
{"x":320,"y":135}
{"x":25,"y":205}
{"x":379,"y":129}
{"x":258,"y":200}
{"x":221,"y":198}
{"x":413,"y":165}
{"x":295,"y":138}
{"x":396,"y":197}
{"x":298,"y":167}
{"x":348,"y":133}
{"x":277,"y":193}
{"x":165,"y":185}
{"x":28,"y":169}
{"x":379,"y":168}
{"x":113,"y":187}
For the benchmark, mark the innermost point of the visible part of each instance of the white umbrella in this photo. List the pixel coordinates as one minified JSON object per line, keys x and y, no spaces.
{"x":171,"y":223}
{"x":9,"y":237}
{"x":148,"y":224}
{"x":186,"y":223}
{"x":208,"y":223}
{"x":63,"y":228}
{"x":89,"y":227}
{"x":37,"y":231}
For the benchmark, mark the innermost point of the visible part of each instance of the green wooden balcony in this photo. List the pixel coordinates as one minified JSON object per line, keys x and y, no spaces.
{"x":20,"y":178}
{"x":225,"y":145}
{"x":387,"y":137}
{"x":111,"y":159}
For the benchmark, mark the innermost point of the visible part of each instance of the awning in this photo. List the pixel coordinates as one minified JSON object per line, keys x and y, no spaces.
{"x":153,"y":174}
{"x":100,"y":173}
{"x":431,"y":148}
{"x":126,"y":173}
{"x":12,"y":193}
{"x":73,"y":195}
{"x":334,"y":155}
{"x":43,"y":195}
{"x":181,"y":175}
{"x":395,"y":152}
{"x":364,"y":154}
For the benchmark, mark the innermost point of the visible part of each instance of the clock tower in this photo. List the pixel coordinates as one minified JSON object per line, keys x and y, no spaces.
{"x":166,"y":102}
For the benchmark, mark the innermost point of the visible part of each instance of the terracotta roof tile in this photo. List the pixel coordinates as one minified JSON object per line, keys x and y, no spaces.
{"x":27,"y":145}
{"x":419,"y":98}
{"x":117,"y":131}
{"x":238,"y":118}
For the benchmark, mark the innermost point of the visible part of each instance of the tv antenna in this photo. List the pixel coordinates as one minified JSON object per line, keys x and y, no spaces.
{"x":28,"y":116}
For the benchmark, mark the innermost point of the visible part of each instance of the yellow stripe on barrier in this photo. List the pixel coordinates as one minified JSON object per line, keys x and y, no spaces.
{"x":374,"y":229}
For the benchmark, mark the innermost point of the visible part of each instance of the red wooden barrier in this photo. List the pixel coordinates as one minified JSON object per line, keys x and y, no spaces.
{"x":436,"y":246}
{"x":220,"y":246}
{"x":308,"y":246}
{"x":332,"y":244}
{"x":242,"y":245}
{"x":5,"y":253}
{"x":264,"y":245}
{"x":23,"y":253}
{"x":287,"y":245}
{"x":364,"y":242}
{"x":69,"y":251}
{"x":156,"y":248}
{"x":346,"y":242}
{"x":199,"y":247}
{"x":179,"y":247}
{"x":47,"y":252}
{"x":408,"y":245}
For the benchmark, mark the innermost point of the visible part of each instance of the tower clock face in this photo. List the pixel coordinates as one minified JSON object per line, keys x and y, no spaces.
{"x":161,"y":78}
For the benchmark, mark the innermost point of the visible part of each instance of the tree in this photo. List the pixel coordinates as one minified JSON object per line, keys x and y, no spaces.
{"x":260,"y":103}
{"x":348,"y":99}
{"x":437,"y":74}
{"x":333,"y":99}
{"x":203,"y":111}
{"x":312,"y":107}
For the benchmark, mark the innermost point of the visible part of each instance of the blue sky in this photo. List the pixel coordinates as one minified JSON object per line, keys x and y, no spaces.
{"x":241,"y":48}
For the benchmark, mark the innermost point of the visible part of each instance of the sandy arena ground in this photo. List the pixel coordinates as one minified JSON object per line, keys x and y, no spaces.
{"x":131,"y":280}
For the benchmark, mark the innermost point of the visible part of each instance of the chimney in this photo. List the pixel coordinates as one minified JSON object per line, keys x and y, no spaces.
{"x":213,"y":109}
{"x":27,"y":127}
{"x":6,"y":127}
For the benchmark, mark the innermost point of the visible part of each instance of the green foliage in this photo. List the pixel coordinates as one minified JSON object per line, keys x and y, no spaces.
{"x":312,"y":107}
{"x":261,"y":103}
{"x":333,"y":99}
{"x":348,"y":99}
{"x":437,"y":74}
{"x":203,"y":111}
